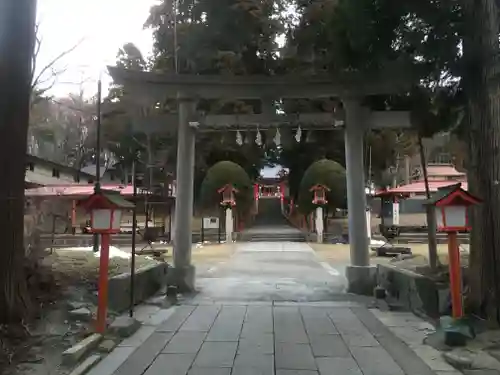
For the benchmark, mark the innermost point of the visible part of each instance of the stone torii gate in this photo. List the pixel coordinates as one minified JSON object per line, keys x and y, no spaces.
{"x":148,"y":88}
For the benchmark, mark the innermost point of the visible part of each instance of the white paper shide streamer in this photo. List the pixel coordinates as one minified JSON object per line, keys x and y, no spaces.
{"x":298,"y":135}
{"x":258,"y":138}
{"x":239,"y":138}
{"x":277,"y":138}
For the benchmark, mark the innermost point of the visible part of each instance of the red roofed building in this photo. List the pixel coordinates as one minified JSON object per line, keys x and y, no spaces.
{"x":407,"y":199}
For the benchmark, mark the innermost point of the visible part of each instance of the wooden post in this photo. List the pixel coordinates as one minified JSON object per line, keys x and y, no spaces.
{"x":73,"y":217}
{"x":455,"y":275}
{"x":103,"y":284}
{"x":53,"y":234}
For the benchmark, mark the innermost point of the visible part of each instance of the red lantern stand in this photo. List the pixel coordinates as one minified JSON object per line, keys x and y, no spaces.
{"x":228,"y":200}
{"x":319,"y":198}
{"x":228,"y":192}
{"x":451,"y":208}
{"x":106,"y":209}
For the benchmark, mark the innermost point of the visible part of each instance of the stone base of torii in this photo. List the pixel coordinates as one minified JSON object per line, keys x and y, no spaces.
{"x":148,"y":88}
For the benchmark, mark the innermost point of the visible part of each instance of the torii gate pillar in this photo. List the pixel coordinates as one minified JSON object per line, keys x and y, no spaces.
{"x":360,"y":275}
{"x":183,"y":273}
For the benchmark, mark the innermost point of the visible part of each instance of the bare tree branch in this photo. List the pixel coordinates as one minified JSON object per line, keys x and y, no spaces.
{"x":38,"y":78}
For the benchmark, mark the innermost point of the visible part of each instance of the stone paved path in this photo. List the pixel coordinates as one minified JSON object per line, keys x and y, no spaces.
{"x":300,"y":330}
{"x":273,"y":271}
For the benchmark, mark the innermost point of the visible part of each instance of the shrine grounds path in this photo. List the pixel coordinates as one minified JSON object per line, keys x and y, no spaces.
{"x":274,"y":308}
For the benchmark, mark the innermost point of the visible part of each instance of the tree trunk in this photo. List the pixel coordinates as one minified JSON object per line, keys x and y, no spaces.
{"x":17,"y":31}
{"x":480,"y":51}
{"x":431,"y":217}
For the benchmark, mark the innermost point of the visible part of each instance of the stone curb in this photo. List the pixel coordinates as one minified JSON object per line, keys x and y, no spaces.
{"x":72,"y":355}
{"x":110,"y":362}
{"x":86,"y":365}
{"x":123,"y":327}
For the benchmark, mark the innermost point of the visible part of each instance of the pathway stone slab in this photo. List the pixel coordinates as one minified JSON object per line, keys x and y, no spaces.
{"x":292,"y":356}
{"x":329,"y":346}
{"x":317,"y":322}
{"x":260,"y":343}
{"x":112,"y":361}
{"x":375,"y":361}
{"x":289,"y":326}
{"x":216,"y":354}
{"x":296,"y":372}
{"x":138,"y":338}
{"x":256,"y":360}
{"x":143,"y":356}
{"x":144,"y":313}
{"x":161,"y":316}
{"x":252,"y":371}
{"x":401,"y":353}
{"x":258,"y":319}
{"x":209,"y":371}
{"x":185,"y":342}
{"x":258,"y":363}
{"x":338,"y":366}
{"x":171,"y":364}
{"x":228,"y":325}
{"x":201,"y":319}
{"x":175,"y":321}
{"x":353,"y":332}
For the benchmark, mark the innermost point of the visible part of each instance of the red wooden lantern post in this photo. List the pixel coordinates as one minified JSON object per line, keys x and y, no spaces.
{"x":228,"y":192}
{"x":319,"y":197}
{"x":106,"y":209}
{"x":451,"y":208}
{"x":228,"y":201}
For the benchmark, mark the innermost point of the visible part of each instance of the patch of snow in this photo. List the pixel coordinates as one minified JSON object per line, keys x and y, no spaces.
{"x":377,"y":243}
{"x":114,"y":252}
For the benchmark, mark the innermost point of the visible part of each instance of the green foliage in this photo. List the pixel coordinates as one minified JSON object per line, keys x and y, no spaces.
{"x":236,"y":36}
{"x":328,"y":173}
{"x":221,"y":174}
{"x":298,"y":157}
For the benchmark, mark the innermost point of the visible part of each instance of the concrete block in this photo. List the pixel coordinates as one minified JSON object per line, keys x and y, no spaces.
{"x":107,"y":346}
{"x":82,"y":314}
{"x":148,"y":281}
{"x":413,"y":291}
{"x":124,"y":326}
{"x":361,"y":280}
{"x":379,"y":292}
{"x":72,"y":355}
{"x":86,"y":365}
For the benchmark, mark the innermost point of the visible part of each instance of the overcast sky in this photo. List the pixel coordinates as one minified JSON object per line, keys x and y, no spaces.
{"x":103,"y":25}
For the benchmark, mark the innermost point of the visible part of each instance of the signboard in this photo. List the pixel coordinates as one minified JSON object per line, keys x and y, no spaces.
{"x":210,"y":222}
{"x":395,"y":213}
